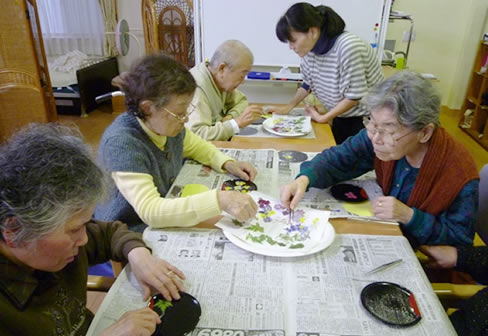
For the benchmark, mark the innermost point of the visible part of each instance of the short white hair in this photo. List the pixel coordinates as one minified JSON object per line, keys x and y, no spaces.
{"x":232,"y":53}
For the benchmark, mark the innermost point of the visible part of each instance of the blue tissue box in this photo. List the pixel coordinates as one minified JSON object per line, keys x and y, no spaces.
{"x":258,"y":75}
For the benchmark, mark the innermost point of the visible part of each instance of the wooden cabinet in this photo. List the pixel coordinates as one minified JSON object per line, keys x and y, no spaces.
{"x":478,"y":86}
{"x":25,"y":88}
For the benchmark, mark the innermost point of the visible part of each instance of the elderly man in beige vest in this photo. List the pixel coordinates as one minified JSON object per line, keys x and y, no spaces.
{"x":220,"y":109}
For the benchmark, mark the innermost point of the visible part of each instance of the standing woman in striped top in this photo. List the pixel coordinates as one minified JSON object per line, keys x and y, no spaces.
{"x":338,"y":67}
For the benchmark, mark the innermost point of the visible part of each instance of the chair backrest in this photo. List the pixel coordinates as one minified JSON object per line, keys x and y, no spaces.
{"x":482,"y":219}
{"x":172,"y":33}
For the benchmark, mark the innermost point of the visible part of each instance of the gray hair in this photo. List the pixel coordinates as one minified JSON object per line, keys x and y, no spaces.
{"x":47,"y":175}
{"x":232,"y":53}
{"x":412,"y":98}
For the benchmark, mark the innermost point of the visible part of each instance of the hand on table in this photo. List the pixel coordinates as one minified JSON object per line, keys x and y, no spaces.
{"x":155,"y":274}
{"x":316,"y":116}
{"x":440,"y":256}
{"x":389,"y":208}
{"x":241,"y":206}
{"x":141,"y":322}
{"x":279,"y":110}
{"x":292,"y":193}
{"x":241,"y":169}
{"x":250,"y":114}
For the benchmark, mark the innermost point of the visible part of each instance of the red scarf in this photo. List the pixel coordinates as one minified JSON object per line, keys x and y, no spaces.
{"x":445,"y":169}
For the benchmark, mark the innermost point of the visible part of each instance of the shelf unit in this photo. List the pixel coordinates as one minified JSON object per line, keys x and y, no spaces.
{"x":478,"y":84}
{"x":407,"y":17}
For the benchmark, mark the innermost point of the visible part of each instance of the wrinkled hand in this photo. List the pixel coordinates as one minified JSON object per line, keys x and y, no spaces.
{"x":389,"y":208}
{"x":241,"y":169}
{"x":292,"y":193}
{"x":316,"y":115}
{"x":440,"y":256}
{"x":250,"y":114}
{"x":241,"y":206}
{"x":140,"y":322}
{"x":279,"y":110}
{"x":155,"y":274}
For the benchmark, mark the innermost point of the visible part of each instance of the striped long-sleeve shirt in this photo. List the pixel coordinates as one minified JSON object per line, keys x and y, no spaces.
{"x":347,"y":70}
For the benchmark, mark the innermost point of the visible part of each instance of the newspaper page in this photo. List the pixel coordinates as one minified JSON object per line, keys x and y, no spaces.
{"x":275,"y":169}
{"x":245,"y":294}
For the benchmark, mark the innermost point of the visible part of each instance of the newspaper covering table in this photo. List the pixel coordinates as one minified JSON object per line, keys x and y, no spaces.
{"x":275,"y":169}
{"x":244,"y":294}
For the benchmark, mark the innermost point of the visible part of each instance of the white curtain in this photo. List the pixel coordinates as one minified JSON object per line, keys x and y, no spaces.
{"x":69,"y":25}
{"x":109,"y":14}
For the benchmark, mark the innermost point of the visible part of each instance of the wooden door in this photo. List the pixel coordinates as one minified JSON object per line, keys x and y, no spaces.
{"x":25,"y":89}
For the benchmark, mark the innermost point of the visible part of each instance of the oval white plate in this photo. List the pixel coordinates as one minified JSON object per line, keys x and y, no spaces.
{"x":269,"y":124}
{"x":328,"y":237}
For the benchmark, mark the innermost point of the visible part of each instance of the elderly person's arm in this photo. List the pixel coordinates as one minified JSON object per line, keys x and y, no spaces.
{"x":114,"y":241}
{"x":340,"y":163}
{"x":157,"y":211}
{"x":470,"y":319}
{"x":454,"y":226}
{"x":201,"y":121}
{"x":235,"y":103}
{"x":351,"y":159}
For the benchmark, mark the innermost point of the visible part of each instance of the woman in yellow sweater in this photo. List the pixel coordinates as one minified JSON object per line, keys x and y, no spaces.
{"x":144,"y":149}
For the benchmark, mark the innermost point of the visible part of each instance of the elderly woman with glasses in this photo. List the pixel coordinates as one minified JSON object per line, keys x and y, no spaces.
{"x":430,"y":181}
{"x":49,"y":187}
{"x":144,"y":149}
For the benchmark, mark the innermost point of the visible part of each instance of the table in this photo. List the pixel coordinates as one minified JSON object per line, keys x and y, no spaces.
{"x":323,"y":139}
{"x":244,"y":294}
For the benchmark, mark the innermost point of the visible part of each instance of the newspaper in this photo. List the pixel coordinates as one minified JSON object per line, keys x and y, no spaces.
{"x":275,"y":169}
{"x":244,"y":294}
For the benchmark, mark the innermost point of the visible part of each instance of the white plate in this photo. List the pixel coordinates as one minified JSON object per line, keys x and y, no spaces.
{"x":287,"y":126}
{"x":328,"y":237}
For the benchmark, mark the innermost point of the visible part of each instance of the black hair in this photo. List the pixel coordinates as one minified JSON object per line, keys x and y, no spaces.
{"x":155,"y":77}
{"x":302,"y":16}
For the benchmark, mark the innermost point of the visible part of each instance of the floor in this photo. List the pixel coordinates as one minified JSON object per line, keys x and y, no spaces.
{"x":94,"y":123}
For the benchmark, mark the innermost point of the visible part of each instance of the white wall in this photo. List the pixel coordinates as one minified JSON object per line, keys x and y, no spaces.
{"x":447,"y":37}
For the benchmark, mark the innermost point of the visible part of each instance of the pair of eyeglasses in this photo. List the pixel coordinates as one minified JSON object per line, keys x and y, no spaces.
{"x":191,"y":108}
{"x":388,"y":136}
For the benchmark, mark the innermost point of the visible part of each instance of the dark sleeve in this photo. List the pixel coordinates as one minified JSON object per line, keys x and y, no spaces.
{"x":470,"y":318}
{"x":474,"y":260}
{"x":110,"y":241}
{"x":454,"y":226}
{"x":351,"y":159}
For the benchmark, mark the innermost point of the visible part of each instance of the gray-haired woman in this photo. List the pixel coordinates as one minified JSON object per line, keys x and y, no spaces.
{"x":430,"y":181}
{"x":49,"y":185}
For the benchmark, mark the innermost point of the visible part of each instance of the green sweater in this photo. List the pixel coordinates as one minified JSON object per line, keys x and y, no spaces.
{"x":44,"y":303}
{"x":212,"y":105}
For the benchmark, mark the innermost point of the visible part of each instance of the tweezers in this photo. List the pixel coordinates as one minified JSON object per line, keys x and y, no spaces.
{"x":290,"y":215}
{"x":384,"y":266}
